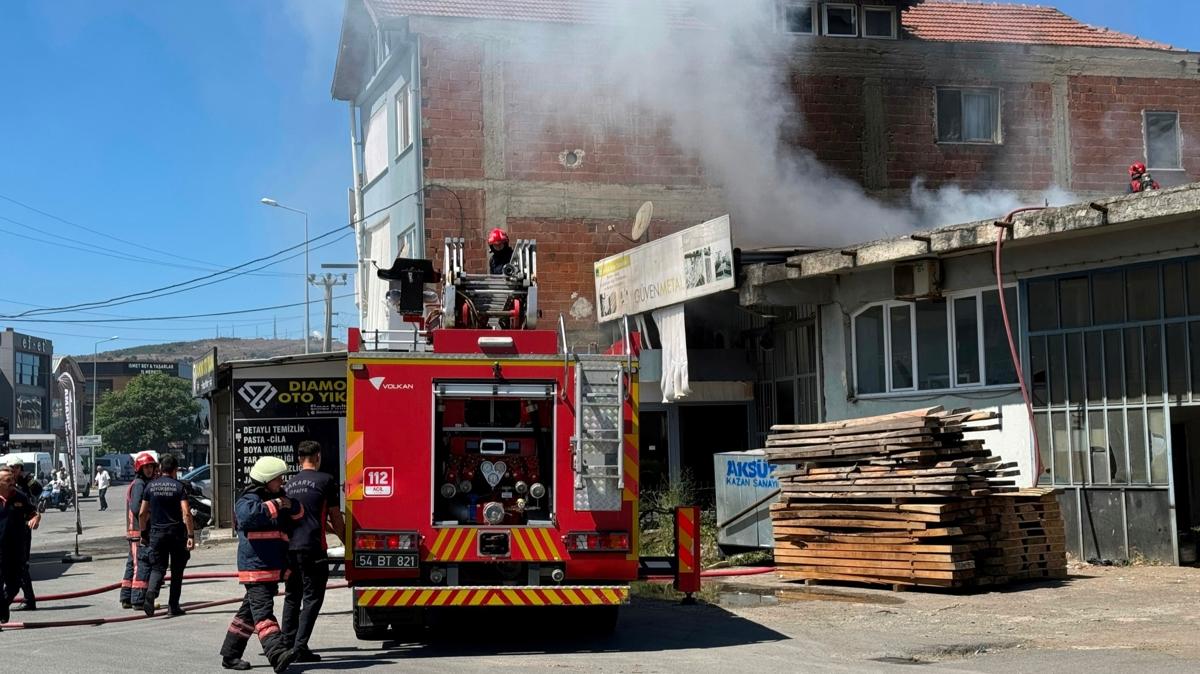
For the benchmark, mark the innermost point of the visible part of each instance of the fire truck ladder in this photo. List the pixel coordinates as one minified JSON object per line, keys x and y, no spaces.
{"x":474,"y":300}
{"x":598,"y":444}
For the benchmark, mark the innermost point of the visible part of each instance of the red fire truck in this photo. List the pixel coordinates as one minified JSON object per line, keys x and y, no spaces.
{"x":486,"y":464}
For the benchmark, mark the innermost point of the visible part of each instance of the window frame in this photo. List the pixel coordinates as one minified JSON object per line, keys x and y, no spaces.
{"x":369,"y":179}
{"x":997,"y":110}
{"x":952,"y":352}
{"x":781,"y":17}
{"x":895,"y":34}
{"x":826,"y":6}
{"x":403,"y":102}
{"x":1146,"y":140}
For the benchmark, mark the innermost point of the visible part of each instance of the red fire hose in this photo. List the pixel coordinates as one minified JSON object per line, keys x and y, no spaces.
{"x":113,"y":586}
{"x":1012,"y":345}
{"x":82,"y":622}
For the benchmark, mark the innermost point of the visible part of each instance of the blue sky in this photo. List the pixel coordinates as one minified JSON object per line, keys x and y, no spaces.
{"x":163,"y":123}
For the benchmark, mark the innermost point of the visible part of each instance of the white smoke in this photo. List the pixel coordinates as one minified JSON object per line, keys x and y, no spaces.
{"x":725,"y":95}
{"x":950,"y":204}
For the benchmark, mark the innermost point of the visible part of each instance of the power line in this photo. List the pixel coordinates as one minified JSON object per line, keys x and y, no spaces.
{"x":205,"y":323}
{"x":175,"y":318}
{"x":101,"y":303}
{"x":210,"y":265}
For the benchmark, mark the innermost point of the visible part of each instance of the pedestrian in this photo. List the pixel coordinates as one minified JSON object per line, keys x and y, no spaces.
{"x":28,"y":489}
{"x":12,"y":541}
{"x":137,"y":566}
{"x":308,"y":564}
{"x":263,"y":515}
{"x":103,"y":480}
{"x":170,"y":536}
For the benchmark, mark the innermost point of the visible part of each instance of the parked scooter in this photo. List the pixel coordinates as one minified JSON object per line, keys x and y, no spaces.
{"x":200,"y":506}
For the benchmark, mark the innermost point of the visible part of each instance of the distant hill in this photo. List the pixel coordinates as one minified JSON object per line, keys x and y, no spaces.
{"x":228,"y":348}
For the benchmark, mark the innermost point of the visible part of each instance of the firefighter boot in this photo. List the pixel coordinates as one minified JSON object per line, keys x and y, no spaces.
{"x":278,"y":654}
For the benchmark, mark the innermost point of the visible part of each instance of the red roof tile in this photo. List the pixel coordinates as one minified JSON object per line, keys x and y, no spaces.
{"x":933,"y":20}
{"x":948,"y":21}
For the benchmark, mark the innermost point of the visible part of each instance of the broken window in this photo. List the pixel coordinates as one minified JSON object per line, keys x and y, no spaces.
{"x":797,"y":17}
{"x":1162,"y":140}
{"x":841,"y":20}
{"x":968,"y":115}
{"x":879,"y":22}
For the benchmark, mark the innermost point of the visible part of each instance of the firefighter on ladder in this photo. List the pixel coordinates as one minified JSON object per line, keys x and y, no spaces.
{"x":1139,"y":179}
{"x":499,"y":252}
{"x":137,"y":569}
{"x":264,"y":517}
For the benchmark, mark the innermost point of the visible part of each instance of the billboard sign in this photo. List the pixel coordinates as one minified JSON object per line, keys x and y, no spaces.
{"x":204,"y":374}
{"x":272,"y":415}
{"x":692,"y":263}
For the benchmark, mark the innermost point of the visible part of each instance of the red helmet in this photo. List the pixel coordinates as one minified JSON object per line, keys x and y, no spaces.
{"x":497,"y":236}
{"x":1137,"y":168}
{"x":142,"y":460}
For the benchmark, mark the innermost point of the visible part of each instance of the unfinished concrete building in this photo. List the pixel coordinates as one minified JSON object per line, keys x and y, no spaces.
{"x":557,"y":119}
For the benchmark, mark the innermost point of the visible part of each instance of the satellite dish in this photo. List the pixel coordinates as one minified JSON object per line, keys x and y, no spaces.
{"x":641,"y":222}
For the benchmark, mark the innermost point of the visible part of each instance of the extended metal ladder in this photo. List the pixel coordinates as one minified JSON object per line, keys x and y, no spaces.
{"x":599,"y":442}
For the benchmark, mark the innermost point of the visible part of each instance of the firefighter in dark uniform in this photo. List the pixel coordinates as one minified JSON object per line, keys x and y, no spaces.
{"x":28,"y":490}
{"x":12,"y":541}
{"x":137,"y":570}
{"x":499,"y":252}
{"x":170,"y":538}
{"x":308,"y":563}
{"x":264,"y":516}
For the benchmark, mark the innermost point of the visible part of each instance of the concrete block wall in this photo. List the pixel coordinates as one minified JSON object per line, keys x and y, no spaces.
{"x":1107,"y":125}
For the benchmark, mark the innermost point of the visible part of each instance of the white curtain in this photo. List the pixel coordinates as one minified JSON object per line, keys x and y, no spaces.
{"x":674,"y":352}
{"x":977,"y":117}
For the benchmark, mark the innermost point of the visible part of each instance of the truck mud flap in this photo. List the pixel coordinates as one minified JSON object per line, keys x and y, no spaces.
{"x":558,"y":595}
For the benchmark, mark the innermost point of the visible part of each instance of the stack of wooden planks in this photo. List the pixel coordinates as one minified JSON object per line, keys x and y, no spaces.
{"x":901,"y":499}
{"x":1029,"y":541}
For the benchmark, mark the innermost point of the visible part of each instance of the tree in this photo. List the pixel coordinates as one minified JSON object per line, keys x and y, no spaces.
{"x":152,"y":410}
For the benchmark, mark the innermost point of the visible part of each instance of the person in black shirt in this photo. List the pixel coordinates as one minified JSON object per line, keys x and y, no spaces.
{"x":165,"y":509}
{"x":307,"y":562}
{"x":28,"y":489}
{"x":12,"y":542}
{"x":499,"y":252}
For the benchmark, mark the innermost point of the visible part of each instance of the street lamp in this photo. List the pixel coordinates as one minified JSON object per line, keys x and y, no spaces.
{"x":271,"y":202}
{"x":95,"y":384}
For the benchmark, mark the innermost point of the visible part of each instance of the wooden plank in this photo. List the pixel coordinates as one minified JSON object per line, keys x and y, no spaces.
{"x":874,"y":566}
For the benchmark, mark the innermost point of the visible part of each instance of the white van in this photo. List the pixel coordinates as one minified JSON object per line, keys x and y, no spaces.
{"x":38,"y":464}
{"x":120,"y":466}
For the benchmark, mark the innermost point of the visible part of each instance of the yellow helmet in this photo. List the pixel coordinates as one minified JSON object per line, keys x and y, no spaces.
{"x":268,"y":468}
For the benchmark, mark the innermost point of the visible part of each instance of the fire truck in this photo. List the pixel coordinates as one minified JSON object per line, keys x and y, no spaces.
{"x":486,"y":464}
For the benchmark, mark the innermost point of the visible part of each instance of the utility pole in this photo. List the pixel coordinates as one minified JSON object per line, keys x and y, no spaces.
{"x":328,"y":281}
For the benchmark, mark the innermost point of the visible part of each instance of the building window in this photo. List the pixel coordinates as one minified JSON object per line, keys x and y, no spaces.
{"x":383,"y":47}
{"x":840,"y":20}
{"x":406,"y":243}
{"x":797,"y":18}
{"x":935,"y":345}
{"x":29,"y":369}
{"x":376,"y":145}
{"x":879,"y":22}
{"x":968,"y":115}
{"x":1162,"y":140}
{"x":404,"y":133}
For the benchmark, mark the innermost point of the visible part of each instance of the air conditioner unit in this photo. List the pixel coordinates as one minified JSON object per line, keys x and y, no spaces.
{"x":920,"y":279}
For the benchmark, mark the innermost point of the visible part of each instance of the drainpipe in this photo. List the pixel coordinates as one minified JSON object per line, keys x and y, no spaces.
{"x":359,"y":226}
{"x":415,"y":86}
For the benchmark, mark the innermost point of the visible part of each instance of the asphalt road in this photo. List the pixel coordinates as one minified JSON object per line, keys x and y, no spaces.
{"x":653,"y":636}
{"x":57,"y":530}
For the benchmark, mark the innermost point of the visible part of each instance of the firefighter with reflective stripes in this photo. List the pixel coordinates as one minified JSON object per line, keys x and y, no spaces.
{"x":166,"y":517}
{"x":264,"y":516}
{"x":137,"y":567}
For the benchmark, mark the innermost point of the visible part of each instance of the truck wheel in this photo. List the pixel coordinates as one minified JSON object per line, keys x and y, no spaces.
{"x":368,"y":632}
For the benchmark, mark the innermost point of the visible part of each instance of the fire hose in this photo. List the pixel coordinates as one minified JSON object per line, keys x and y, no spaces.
{"x":83,"y":622}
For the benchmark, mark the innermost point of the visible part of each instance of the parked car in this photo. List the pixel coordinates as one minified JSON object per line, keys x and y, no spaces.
{"x":201,"y":478}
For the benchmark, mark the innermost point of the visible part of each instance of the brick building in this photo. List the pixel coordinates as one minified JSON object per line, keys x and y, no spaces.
{"x":474,"y":114}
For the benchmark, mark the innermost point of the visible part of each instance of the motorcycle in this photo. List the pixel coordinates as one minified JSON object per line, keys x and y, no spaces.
{"x":55,"y":496}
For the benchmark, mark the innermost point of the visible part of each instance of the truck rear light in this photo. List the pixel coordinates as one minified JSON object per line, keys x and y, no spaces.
{"x":597,"y":541}
{"x":381,"y":541}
